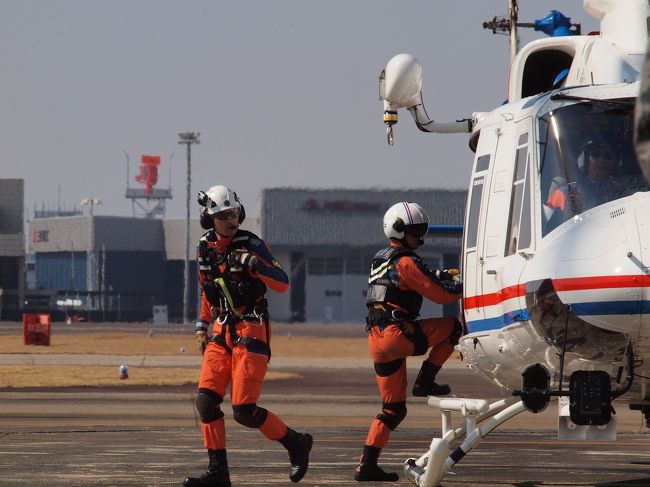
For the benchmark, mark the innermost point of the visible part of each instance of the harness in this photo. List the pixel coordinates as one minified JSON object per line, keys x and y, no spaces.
{"x":388,"y":304}
{"x":244,"y":291}
{"x":228,"y":321}
{"x":234,"y":292}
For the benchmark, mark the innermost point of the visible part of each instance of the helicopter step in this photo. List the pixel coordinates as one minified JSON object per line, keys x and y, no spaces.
{"x":480,"y":418}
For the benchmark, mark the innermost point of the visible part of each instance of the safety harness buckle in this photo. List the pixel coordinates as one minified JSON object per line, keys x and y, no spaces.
{"x":225,"y":318}
{"x":398,"y":315}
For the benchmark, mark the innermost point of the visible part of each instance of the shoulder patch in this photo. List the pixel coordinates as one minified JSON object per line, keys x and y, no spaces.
{"x":255,"y":242}
{"x":276,"y":264}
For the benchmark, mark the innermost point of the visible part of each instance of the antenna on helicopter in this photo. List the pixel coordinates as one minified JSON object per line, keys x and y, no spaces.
{"x":554,"y":24}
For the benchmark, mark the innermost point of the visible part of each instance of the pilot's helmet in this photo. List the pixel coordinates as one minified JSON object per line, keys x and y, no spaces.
{"x":406,"y":217}
{"x":609,"y":148}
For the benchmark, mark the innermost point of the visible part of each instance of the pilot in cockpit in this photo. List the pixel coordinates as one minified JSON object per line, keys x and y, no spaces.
{"x":599,"y":162}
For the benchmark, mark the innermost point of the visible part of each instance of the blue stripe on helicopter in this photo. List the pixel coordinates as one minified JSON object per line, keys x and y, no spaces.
{"x":578,"y":309}
{"x":498,"y":322}
{"x":611,"y":308}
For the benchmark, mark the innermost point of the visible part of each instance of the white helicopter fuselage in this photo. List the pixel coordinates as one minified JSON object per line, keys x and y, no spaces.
{"x":590,"y":267}
{"x":556,"y":238}
{"x":543,"y":276}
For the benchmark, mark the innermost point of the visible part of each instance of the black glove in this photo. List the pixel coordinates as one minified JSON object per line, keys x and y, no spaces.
{"x":447,"y":274}
{"x":246,"y":259}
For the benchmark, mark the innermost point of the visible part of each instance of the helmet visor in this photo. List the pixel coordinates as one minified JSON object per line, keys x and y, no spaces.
{"x":227,"y":214}
{"x":418,"y":230}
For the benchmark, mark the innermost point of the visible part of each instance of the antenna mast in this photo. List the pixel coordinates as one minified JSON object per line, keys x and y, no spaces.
{"x":513,"y":13}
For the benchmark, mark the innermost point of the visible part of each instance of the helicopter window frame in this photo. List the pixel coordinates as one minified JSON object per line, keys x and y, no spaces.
{"x":482,"y":163}
{"x":563,"y":129}
{"x":519,"y":200}
{"x":474,"y":212}
{"x":525,"y":240}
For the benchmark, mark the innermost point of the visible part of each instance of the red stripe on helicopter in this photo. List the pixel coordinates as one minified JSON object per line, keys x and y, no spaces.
{"x":598,"y":282}
{"x":491,"y":299}
{"x":565,"y":284}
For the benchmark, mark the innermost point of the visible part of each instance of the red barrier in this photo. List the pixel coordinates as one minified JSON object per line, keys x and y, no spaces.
{"x":36,"y":329}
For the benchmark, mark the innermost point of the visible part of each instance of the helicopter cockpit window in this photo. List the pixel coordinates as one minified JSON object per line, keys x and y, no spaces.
{"x":586,"y":157}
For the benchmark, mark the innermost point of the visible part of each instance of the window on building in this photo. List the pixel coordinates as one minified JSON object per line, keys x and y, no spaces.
{"x":323,"y":266}
{"x":316,"y":266}
{"x":354,"y":265}
{"x":334,"y":266}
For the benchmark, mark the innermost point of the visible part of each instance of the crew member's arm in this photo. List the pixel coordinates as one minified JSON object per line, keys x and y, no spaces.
{"x":204,"y":319}
{"x":413,"y":278}
{"x":205,"y":316}
{"x":267,"y":269}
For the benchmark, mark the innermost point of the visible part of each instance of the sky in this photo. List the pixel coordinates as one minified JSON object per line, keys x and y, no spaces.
{"x":283,"y":93}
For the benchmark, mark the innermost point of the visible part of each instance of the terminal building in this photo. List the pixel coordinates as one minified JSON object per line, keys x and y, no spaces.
{"x":120,"y":268}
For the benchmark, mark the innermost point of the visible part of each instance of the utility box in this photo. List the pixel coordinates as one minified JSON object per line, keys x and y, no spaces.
{"x":160,"y":316}
{"x":36,"y":329}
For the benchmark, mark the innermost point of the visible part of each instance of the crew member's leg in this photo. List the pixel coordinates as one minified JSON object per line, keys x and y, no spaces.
{"x":249,"y":370}
{"x":215,"y":376}
{"x":391,"y":379}
{"x":442,"y":335}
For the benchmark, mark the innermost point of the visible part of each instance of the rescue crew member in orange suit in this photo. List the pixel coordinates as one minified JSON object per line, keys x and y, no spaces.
{"x":399,"y":279}
{"x":235,"y":268}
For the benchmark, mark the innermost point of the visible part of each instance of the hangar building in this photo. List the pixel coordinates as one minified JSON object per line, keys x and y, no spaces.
{"x":118,"y":268}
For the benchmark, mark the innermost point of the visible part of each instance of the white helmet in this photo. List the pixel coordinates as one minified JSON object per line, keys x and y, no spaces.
{"x":219,"y":198}
{"x":216,"y":199}
{"x":406,"y":217}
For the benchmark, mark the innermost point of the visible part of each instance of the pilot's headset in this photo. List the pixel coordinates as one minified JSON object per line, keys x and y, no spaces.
{"x":216,"y":199}
{"x":406,"y":217}
{"x":592,"y":143}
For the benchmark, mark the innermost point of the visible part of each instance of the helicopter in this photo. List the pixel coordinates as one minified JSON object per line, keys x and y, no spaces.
{"x":555,"y":262}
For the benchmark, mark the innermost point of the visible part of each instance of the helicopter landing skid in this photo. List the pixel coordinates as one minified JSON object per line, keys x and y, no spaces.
{"x":480,"y":419}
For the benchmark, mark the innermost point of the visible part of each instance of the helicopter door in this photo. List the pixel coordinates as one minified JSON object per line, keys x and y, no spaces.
{"x":495,"y":221}
{"x":473,"y":309}
{"x":475,"y":226}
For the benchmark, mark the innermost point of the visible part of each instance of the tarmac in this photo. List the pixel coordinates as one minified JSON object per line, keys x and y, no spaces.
{"x":150,"y":436}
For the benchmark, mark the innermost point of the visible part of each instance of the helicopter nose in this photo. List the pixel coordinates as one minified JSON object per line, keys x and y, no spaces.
{"x":601,"y":275}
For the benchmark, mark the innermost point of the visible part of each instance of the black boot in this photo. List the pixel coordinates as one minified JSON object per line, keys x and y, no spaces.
{"x":217,"y":474}
{"x":369,"y":471}
{"x":298,"y":445}
{"x":425,"y":384}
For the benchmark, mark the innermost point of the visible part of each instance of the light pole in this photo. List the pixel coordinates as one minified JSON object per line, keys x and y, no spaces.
{"x":187,"y":138}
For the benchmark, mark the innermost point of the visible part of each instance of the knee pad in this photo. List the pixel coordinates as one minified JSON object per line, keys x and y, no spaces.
{"x":249,"y":415}
{"x":388,"y":368}
{"x":207,"y":404}
{"x":392,"y":413}
{"x":456,"y":333}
